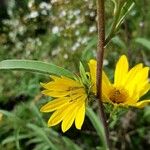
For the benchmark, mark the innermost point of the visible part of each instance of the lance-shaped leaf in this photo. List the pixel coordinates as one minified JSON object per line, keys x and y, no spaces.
{"x":35,"y":66}
{"x":128,"y":5}
{"x":97,"y":124}
{"x":144,"y":42}
{"x":121,"y":9}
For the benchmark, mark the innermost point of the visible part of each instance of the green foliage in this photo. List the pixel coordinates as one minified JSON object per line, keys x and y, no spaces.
{"x":98,"y":126}
{"x":36,"y":66}
{"x":31,"y":132}
{"x":83,"y":75}
{"x":144,"y":42}
{"x":64,"y":32}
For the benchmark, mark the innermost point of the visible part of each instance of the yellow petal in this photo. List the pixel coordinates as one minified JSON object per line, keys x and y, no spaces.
{"x":121,"y":71}
{"x":55,"y":104}
{"x":105,"y":98}
{"x":145,"y":89}
{"x":57,"y":116}
{"x":142,"y":76}
{"x":132,"y":73}
{"x":92,"y":66}
{"x":71,"y":112}
{"x":138,"y":82}
{"x":105,"y":79}
{"x":55,"y":86}
{"x":72,"y":83}
{"x":79,"y":119}
{"x":76,"y":97}
{"x":69,"y":118}
{"x":54,"y":77}
{"x":106,"y":85}
{"x":55,"y":93}
{"x":142,"y":103}
{"x":61,"y":84}
{"x":132,"y":100}
{"x":77,"y":91}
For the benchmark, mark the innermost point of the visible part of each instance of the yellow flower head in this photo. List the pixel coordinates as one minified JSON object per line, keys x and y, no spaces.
{"x":129,"y":84}
{"x":68,"y":104}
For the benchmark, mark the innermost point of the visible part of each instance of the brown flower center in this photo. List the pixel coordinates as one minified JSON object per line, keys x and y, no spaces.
{"x":118,"y":95}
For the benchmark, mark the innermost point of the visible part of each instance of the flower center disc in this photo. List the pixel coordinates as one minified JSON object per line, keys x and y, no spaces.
{"x":118,"y":95}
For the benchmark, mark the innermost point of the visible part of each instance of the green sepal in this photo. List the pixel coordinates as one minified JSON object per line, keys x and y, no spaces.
{"x":83,"y":75}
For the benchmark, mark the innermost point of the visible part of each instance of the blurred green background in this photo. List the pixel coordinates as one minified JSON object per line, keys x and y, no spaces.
{"x":64,"y":32}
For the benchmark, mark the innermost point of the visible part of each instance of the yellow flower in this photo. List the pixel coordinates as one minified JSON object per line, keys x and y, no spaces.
{"x":129,"y":84}
{"x":68,"y":104}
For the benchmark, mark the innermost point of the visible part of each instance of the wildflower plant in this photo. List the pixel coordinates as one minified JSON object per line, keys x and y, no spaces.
{"x":71,"y":93}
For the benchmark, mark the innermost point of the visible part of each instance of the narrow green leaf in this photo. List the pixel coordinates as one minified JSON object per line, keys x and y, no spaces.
{"x":115,"y":5}
{"x":16,"y":134}
{"x":144,"y":42}
{"x":10,"y":139}
{"x":70,"y":145}
{"x":97,"y":125}
{"x":34,"y":140}
{"x":40,"y":132}
{"x":116,"y":40}
{"x":125,"y":10}
{"x":8,"y":114}
{"x":35,"y":66}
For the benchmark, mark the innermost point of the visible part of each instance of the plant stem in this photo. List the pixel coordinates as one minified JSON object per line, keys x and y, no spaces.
{"x":100,"y":56}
